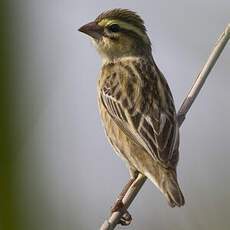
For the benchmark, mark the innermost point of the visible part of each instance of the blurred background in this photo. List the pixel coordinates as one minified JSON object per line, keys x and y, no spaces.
{"x":57,"y":170}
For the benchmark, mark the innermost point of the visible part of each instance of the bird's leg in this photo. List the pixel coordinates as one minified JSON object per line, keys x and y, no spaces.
{"x":126,"y":217}
{"x":118,"y":204}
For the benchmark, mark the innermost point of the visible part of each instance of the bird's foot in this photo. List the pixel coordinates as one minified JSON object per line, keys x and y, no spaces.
{"x":117,"y":206}
{"x":126,"y":217}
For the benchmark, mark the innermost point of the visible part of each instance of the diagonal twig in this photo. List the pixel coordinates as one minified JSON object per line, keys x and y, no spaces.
{"x":133,"y":190}
{"x":199,"y":82}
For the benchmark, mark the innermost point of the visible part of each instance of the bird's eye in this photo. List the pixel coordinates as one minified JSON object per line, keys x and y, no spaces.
{"x":114,"y":28}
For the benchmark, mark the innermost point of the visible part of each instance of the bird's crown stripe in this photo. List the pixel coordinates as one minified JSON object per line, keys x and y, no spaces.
{"x":124,"y":25}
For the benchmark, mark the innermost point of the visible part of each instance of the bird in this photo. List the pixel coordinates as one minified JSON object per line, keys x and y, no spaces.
{"x":135,"y":102}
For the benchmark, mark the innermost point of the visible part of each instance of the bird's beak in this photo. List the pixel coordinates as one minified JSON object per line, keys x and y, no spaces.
{"x":92,"y":29}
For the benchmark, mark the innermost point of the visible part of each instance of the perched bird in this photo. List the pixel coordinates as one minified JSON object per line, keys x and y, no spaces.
{"x":135,"y":101}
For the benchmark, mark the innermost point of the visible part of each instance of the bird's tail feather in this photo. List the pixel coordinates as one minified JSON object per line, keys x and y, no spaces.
{"x":171,"y":189}
{"x":167,"y":183}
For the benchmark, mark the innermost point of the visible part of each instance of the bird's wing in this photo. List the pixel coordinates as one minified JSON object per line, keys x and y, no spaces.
{"x":139,"y":100}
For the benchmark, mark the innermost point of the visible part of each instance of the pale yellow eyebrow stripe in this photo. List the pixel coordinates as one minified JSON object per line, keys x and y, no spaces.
{"x":124,"y":25}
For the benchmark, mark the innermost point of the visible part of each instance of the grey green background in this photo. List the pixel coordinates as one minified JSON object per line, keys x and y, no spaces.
{"x":63,"y":173}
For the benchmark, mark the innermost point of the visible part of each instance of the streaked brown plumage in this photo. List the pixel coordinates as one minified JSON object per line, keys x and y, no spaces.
{"x":135,"y":102}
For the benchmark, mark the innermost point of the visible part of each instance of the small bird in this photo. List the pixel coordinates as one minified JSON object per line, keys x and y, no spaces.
{"x":135,"y":102}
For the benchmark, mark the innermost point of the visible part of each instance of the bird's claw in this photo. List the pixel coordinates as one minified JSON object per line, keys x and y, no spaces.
{"x":126,"y":217}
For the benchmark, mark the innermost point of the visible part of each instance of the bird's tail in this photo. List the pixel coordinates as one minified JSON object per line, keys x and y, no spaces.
{"x":171,"y":189}
{"x":166,"y":181}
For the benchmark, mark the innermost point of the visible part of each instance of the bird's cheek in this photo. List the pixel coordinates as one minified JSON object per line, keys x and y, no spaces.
{"x":108,"y":43}
{"x":124,"y":44}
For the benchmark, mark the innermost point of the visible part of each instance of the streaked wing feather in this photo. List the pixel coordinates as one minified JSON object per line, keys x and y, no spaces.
{"x":138,"y":109}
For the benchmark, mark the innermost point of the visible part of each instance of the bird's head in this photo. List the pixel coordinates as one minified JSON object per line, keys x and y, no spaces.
{"x":118,"y":33}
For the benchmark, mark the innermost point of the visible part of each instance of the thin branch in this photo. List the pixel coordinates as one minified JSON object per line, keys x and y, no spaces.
{"x":114,"y":219}
{"x":127,"y":200}
{"x":199,"y":82}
